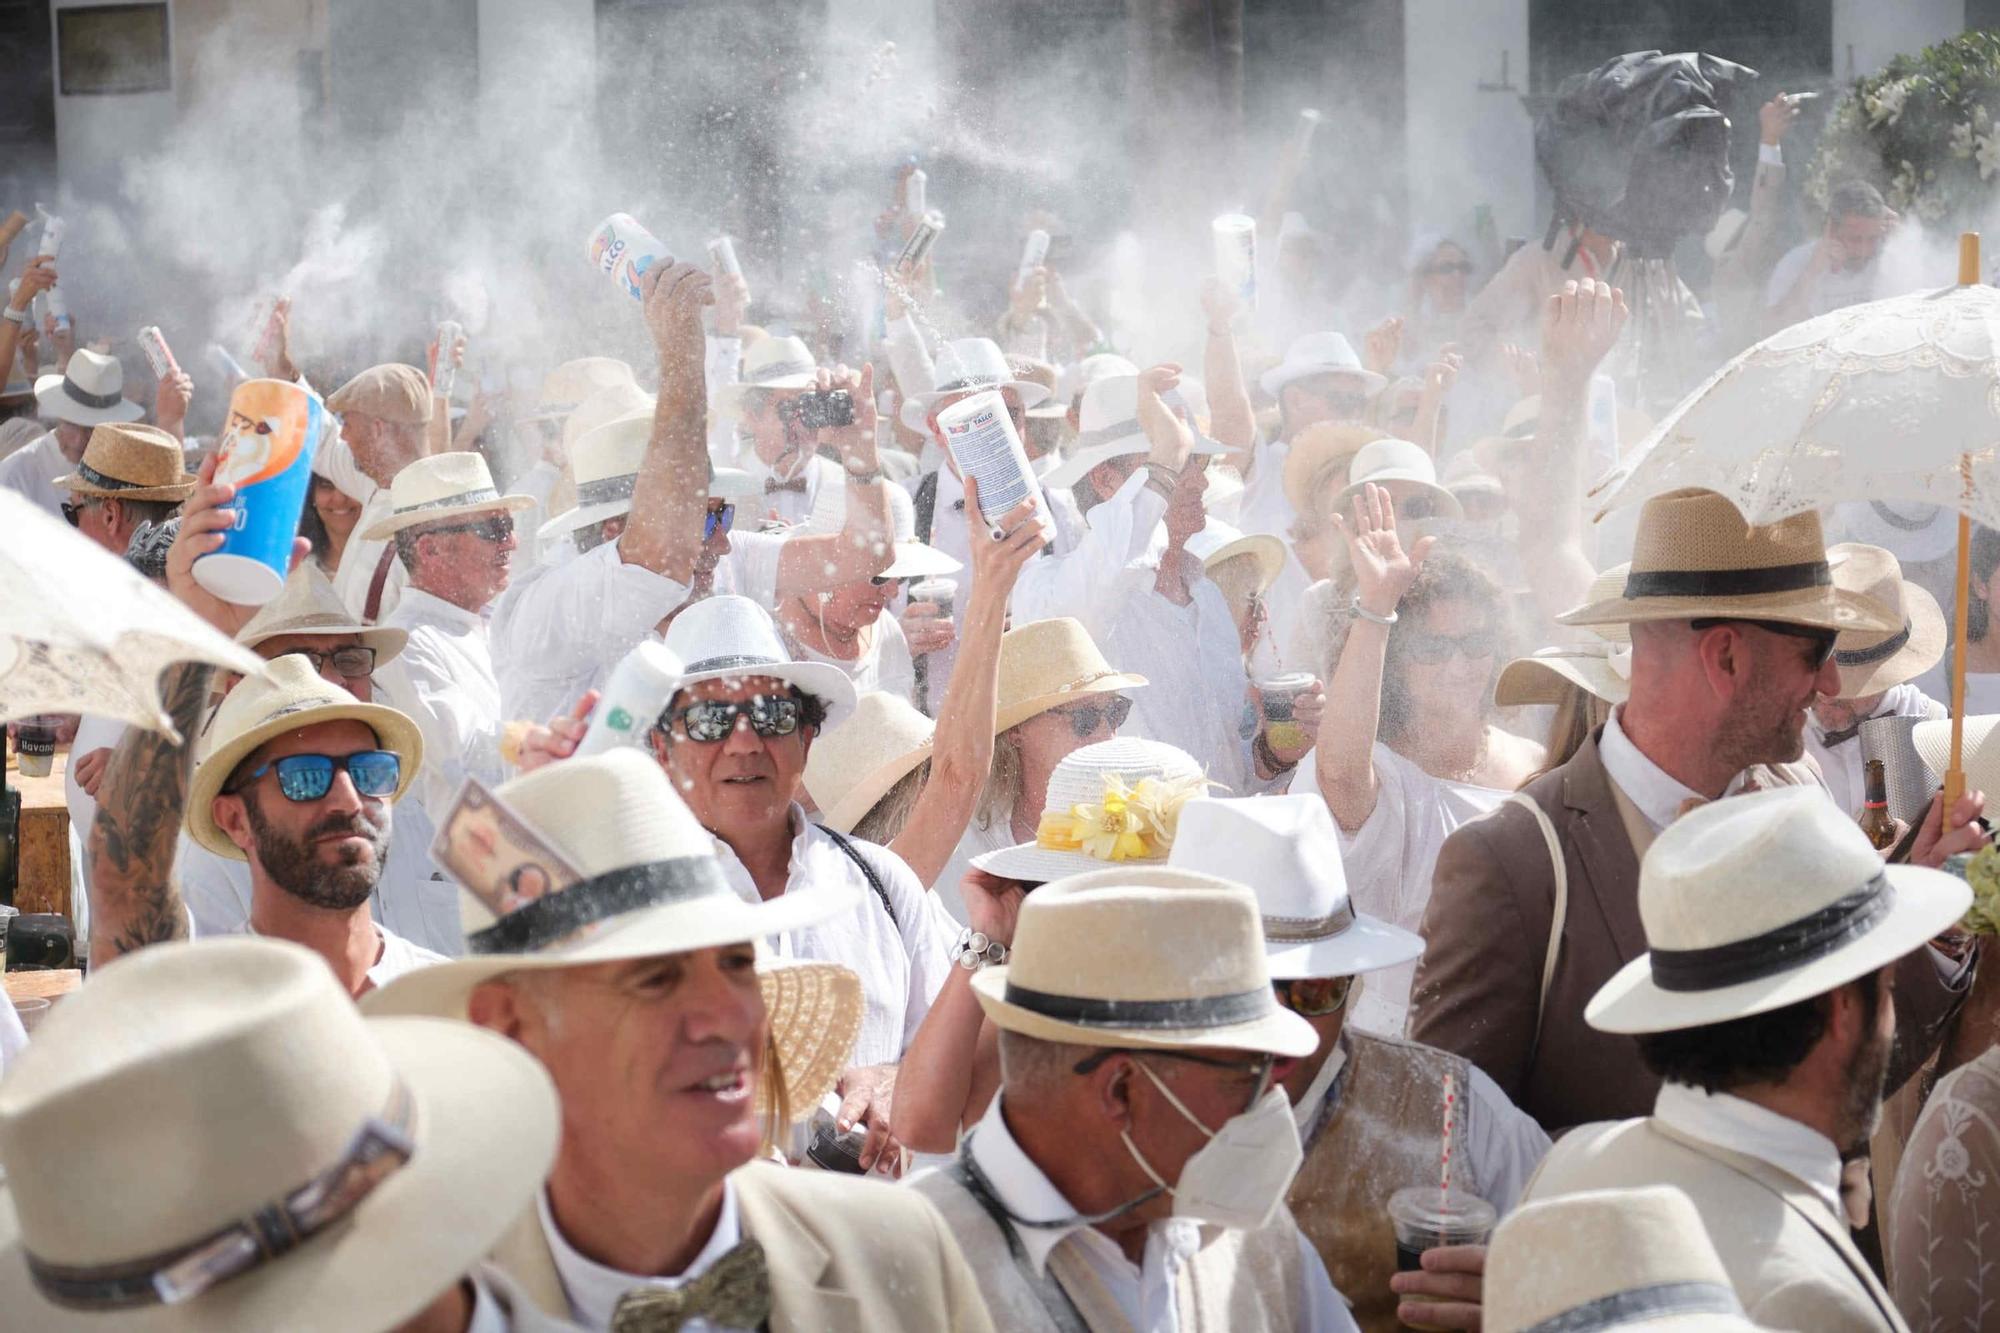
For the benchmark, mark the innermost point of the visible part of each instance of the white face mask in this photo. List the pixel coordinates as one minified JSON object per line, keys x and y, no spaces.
{"x":1239,"y":1177}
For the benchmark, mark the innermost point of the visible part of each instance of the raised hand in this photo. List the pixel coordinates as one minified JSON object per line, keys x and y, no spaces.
{"x":1383,"y":570}
{"x":1580,"y":324}
{"x":1382,"y":345}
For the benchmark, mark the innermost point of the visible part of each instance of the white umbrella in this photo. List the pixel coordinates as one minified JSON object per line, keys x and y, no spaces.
{"x":1892,"y":400}
{"x":82,"y":632}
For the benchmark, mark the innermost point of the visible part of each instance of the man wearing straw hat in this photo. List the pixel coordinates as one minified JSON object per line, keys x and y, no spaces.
{"x":129,"y":474}
{"x":385,"y":414}
{"x":1133,"y":1171}
{"x":679,"y":1055}
{"x":1877,"y":671}
{"x":208,"y":1136}
{"x":1362,"y":1098}
{"x":1733,"y":630}
{"x":454,"y":533}
{"x":1770,"y":1017}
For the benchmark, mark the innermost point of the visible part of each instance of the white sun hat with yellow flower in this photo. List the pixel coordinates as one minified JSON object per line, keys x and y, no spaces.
{"x":1116,"y":802}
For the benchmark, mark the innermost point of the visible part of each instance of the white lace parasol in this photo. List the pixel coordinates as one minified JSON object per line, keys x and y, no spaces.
{"x":82,"y":632}
{"x":1873,"y":402}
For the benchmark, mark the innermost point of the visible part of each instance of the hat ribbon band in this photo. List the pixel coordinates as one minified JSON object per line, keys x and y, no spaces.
{"x":480,"y":496}
{"x":1727,"y":582}
{"x":1197,"y":1012}
{"x":1659,"y":1301}
{"x":1296,"y":929}
{"x":1785,"y":949}
{"x":1523,"y":430}
{"x":86,"y":472}
{"x":978,"y":381}
{"x":554,"y":917}
{"x":1882,"y":651}
{"x":763,"y":375}
{"x":1118,"y":432}
{"x":732,"y":661}
{"x":607,"y":489}
{"x":380,"y":1148}
{"x":82,"y":395}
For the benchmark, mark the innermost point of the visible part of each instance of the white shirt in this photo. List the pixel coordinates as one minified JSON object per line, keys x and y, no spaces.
{"x":1831,"y":291}
{"x":1265,"y":507}
{"x":790,"y":506}
{"x":334,"y":460}
{"x":884,"y":663}
{"x":1745,"y":1127}
{"x":32,"y":470}
{"x":1144,"y":1292}
{"x":1502,"y":1145}
{"x":444,"y":680}
{"x":901,"y":965}
{"x":561,"y":628}
{"x":538,"y":483}
{"x":398,"y":958}
{"x":1390,"y":860}
{"x":92,"y":733}
{"x":594,"y":1290}
{"x":1654,"y":792}
{"x":1841,"y":764}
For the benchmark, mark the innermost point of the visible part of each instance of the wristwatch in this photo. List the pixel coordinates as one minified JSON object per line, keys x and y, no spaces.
{"x":860,"y":478}
{"x":974,"y":950}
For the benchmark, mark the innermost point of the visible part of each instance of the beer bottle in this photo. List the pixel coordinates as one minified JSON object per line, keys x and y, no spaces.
{"x":1875,"y":821}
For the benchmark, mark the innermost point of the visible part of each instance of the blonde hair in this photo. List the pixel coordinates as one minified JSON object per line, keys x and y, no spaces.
{"x":1577,"y":714}
{"x":776,"y":1098}
{"x":1003,"y":779}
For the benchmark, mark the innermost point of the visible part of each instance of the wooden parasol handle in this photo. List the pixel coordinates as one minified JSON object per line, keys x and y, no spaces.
{"x":1954,"y":778}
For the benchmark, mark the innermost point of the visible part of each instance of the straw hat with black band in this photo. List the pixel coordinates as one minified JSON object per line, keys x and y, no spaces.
{"x":650,"y":886}
{"x":1695,"y":557}
{"x":443,"y":486}
{"x":1871,"y":662}
{"x":129,"y":461}
{"x":1045,"y":664}
{"x":288,"y":697}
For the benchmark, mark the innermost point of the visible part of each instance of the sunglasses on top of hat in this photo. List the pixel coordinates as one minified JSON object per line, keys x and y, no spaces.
{"x":309,"y":777}
{"x":1821,"y":640}
{"x":1084,"y":718}
{"x":711,"y":720}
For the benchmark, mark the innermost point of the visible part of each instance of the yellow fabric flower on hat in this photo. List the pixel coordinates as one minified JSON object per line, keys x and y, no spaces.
{"x":1134,"y":823}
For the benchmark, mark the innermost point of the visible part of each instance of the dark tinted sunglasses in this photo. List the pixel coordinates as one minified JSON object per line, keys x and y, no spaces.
{"x":308,"y":777}
{"x":711,"y":720}
{"x":717,"y":520}
{"x":72,"y":510}
{"x":1822,"y":640}
{"x":497,"y":528}
{"x":1084,"y":718}
{"x":891,"y":581}
{"x":1427,"y":649}
{"x":351,"y":662}
{"x":1313,"y":997}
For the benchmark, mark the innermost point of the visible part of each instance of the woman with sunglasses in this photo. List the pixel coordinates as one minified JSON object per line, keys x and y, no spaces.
{"x":1407,"y":747}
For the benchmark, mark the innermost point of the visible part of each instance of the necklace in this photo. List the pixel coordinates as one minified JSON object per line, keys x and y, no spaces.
{"x":1478,"y":759}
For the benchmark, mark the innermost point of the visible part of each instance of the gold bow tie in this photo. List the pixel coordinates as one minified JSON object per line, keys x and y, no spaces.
{"x":734,"y":1293}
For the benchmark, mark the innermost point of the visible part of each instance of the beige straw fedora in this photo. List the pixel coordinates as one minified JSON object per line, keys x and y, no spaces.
{"x":613,"y":403}
{"x":130,"y":461}
{"x":1143,"y":956}
{"x":1047,"y":663}
{"x":1603,"y":670}
{"x":651,"y":885}
{"x":175,"y":1135}
{"x":1825,"y":912}
{"x":307,"y":604}
{"x":1218,"y":543}
{"x":1694,"y":556}
{"x":1497,"y":453}
{"x":1981,"y":753}
{"x":853,"y":766}
{"x":604,"y":465}
{"x":1319,"y":457}
{"x":1608,"y":1259}
{"x":1118,"y":800}
{"x":392,"y":391}
{"x":1872,"y":662}
{"x":443,"y":486}
{"x":565,"y":388}
{"x":289,"y":696}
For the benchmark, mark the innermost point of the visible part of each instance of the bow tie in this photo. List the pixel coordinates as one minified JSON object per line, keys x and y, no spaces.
{"x":1832,"y":738}
{"x":734,"y":1293}
{"x":773,"y":485}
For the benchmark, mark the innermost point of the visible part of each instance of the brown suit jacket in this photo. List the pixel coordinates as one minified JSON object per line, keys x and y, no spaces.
{"x":1486,"y":931}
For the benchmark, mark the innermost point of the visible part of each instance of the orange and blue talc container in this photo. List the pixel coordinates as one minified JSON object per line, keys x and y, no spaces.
{"x":266,"y":452}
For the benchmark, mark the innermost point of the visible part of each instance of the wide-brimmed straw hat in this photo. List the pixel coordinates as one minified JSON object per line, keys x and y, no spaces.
{"x":1218,"y":543}
{"x":1285,"y":848}
{"x":1980,"y":755}
{"x":566,"y":387}
{"x":128,"y":461}
{"x":650,"y":886}
{"x":1319,"y":354}
{"x":968,"y":365}
{"x":854,"y":766}
{"x":89,"y":391}
{"x":768,"y":363}
{"x":1107,"y":428}
{"x":604,"y":463}
{"x":1602,"y":670}
{"x":1601,"y":1260}
{"x":289,"y":696}
{"x":730,"y":638}
{"x":1825,"y":911}
{"x":912,"y":559}
{"x":614,"y":402}
{"x":1871,"y":662}
{"x":443,"y":486}
{"x":1402,"y":469}
{"x":1694,"y":557}
{"x":307,"y":604}
{"x":1118,"y":800}
{"x":1319,"y":457}
{"x":198,"y":1100}
{"x":1142,"y":956}
{"x":1045,"y":664}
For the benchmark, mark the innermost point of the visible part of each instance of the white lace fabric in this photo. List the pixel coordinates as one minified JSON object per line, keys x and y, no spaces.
{"x":1944,"y":1215}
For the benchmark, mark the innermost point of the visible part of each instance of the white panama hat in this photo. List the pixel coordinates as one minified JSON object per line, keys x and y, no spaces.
{"x":605,"y":464}
{"x":442,"y":486}
{"x":651,"y":886}
{"x":1319,"y":354}
{"x":1285,"y":848}
{"x":1116,"y":801}
{"x":967,"y":365}
{"x":1399,"y":467}
{"x":197,"y":1098}
{"x":612,"y":403}
{"x":913,"y":559}
{"x":1108,"y":427}
{"x":89,"y":391}
{"x":768,"y":363}
{"x":1825,"y":912}
{"x":729,"y":637}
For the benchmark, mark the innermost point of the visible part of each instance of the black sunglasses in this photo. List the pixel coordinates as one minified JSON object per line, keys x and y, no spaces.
{"x":1313,"y":997}
{"x":711,"y":720}
{"x":1084,"y":718}
{"x":496,"y":529}
{"x":886,"y":580}
{"x":353,"y":661}
{"x":1822,"y":640}
{"x":72,"y":510}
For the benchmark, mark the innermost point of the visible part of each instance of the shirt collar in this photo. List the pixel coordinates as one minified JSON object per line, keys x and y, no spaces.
{"x":733,"y":869}
{"x":427,"y":608}
{"x":1022,"y":1187}
{"x":1797,"y":1149}
{"x":1321,"y":1094}
{"x":594,"y":1290}
{"x":1657,"y":794}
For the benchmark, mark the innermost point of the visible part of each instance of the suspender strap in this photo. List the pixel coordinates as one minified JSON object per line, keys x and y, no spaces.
{"x":1061,"y":1309}
{"x":867,"y":873}
{"x":926,"y":506}
{"x":371,"y":609}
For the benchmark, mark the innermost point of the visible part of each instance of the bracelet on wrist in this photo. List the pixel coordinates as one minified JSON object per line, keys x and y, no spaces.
{"x":1363,"y":613}
{"x":13,"y":316}
{"x":975,"y":949}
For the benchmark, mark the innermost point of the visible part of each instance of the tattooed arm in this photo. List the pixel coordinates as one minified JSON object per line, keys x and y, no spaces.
{"x":134,"y":900}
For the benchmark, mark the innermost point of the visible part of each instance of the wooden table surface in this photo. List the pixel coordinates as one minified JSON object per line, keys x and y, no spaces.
{"x":49,"y":985}
{"x":44,"y":866}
